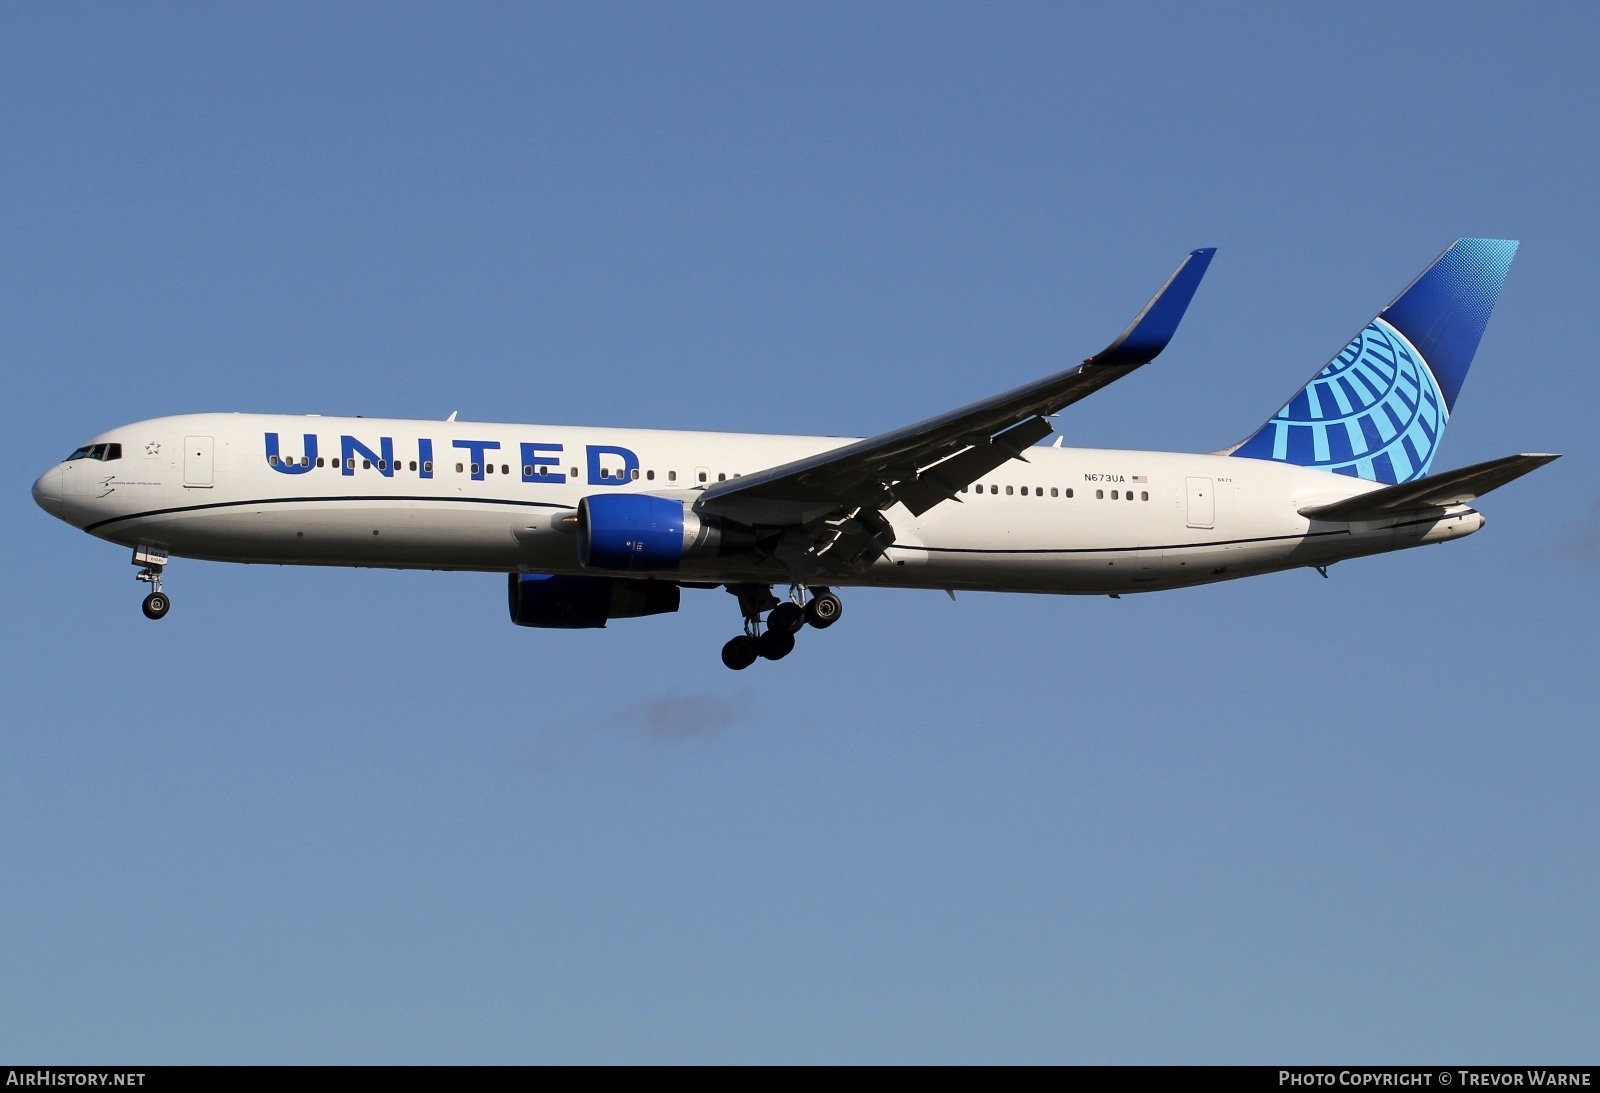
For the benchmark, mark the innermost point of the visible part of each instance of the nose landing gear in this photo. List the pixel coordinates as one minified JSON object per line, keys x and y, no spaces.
{"x":151,"y":561}
{"x":784,"y":621}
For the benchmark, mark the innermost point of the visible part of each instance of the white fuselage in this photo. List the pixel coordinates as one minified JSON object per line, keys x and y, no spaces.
{"x":491,"y":497}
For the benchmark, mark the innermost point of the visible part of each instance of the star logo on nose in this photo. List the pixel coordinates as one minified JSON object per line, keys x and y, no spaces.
{"x":152,"y":448}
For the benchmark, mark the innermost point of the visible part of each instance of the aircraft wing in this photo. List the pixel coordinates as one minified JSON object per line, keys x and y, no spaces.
{"x":1433,"y":492}
{"x":925,"y":464}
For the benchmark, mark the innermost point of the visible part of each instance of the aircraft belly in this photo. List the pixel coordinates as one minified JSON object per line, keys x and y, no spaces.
{"x":333,"y":534}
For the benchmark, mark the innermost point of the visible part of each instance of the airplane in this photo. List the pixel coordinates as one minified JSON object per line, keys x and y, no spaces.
{"x":593,"y":524}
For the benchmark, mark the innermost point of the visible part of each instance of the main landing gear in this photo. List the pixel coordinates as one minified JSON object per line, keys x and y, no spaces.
{"x":784,"y":620}
{"x":151,"y":561}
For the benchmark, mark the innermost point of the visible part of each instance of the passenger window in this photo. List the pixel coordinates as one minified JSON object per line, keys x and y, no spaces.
{"x":650,"y":475}
{"x":474,"y":468}
{"x":1024,"y":491}
{"x":672,"y":476}
{"x":574,"y":471}
{"x":1129,"y":495}
{"x":1052,"y":491}
{"x":487,"y":469}
{"x":428,"y":466}
{"x":1069,"y":491}
{"x":1113,"y":495}
{"x":636,"y":474}
{"x":505,"y":468}
{"x":413,"y":464}
{"x":1144,"y":495}
{"x":1008,"y":491}
{"x":994,"y":489}
{"x":527,"y":471}
{"x":366,"y":464}
{"x":1099,"y":495}
{"x":272,"y":461}
{"x":319,"y":461}
{"x":702,"y":476}
{"x":459,"y":468}
{"x":722,"y":478}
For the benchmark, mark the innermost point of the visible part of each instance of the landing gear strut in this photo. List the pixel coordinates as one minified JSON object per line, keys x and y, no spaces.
{"x":785,"y":619}
{"x":151,"y":561}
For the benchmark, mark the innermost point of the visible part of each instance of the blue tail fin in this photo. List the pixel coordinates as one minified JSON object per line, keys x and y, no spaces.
{"x":1378,"y":410}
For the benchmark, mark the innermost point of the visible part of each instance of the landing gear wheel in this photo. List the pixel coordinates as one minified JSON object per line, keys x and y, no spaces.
{"x":775,"y":644}
{"x":156,"y":605}
{"x":788,"y":617}
{"x":824,"y":610}
{"x":740,"y":653}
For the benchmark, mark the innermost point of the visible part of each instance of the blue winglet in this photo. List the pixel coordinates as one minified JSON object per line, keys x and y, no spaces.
{"x":1153,"y":327}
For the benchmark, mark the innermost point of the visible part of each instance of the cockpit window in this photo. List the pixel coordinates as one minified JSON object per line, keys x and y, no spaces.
{"x":103,"y":452}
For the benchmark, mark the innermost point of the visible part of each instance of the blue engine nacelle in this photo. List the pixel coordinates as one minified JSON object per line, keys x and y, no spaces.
{"x":579,"y":603}
{"x":635,"y":532}
{"x":630,"y":531}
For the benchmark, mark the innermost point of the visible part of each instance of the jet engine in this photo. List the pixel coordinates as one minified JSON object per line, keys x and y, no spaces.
{"x":638,"y":532}
{"x":579,"y":603}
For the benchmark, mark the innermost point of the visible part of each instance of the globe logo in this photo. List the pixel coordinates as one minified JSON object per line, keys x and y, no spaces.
{"x":1374,"y":412}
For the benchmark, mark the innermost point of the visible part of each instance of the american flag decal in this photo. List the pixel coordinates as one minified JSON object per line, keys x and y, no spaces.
{"x":1138,"y":478}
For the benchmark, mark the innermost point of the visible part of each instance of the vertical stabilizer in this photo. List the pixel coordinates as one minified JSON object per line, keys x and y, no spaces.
{"x":1378,"y":410}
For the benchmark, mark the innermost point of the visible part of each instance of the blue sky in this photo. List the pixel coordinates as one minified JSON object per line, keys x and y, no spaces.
{"x":356,"y":816}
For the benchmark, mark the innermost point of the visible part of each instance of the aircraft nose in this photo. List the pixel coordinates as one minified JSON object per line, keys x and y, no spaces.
{"x":47,"y":491}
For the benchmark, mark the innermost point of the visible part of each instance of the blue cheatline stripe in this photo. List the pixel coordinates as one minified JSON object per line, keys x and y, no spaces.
{"x":322,"y":500}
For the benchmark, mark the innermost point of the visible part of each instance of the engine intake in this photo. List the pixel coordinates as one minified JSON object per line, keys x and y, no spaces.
{"x":579,"y":603}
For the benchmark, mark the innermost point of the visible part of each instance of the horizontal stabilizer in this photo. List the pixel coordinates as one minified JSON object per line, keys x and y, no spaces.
{"x":1433,"y":492}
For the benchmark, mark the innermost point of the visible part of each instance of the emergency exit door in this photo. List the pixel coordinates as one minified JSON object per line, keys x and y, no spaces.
{"x":197,"y":461}
{"x":1202,"y":505}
